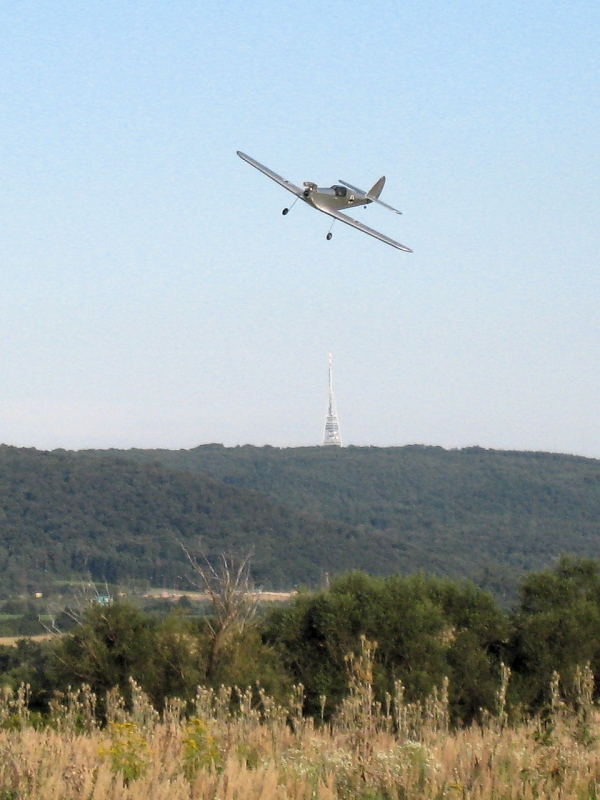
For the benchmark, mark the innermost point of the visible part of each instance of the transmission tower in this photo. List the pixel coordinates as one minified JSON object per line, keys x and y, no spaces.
{"x":331,"y":436}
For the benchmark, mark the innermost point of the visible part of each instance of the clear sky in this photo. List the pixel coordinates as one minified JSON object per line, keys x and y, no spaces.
{"x":152,"y":294}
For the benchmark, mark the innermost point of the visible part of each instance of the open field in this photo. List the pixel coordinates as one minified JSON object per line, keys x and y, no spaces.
{"x":261,"y":751}
{"x":11,"y":641}
{"x":176,"y":594}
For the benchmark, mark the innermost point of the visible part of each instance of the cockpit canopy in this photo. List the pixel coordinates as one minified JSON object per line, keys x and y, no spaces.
{"x":340,"y":191}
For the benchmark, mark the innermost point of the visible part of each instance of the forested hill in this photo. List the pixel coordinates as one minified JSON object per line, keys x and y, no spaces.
{"x":65,"y":515}
{"x":485,"y":514}
{"x":481,"y":514}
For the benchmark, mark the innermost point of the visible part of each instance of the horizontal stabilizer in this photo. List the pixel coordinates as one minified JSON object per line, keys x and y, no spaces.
{"x":385,"y":205}
{"x":372,"y":194}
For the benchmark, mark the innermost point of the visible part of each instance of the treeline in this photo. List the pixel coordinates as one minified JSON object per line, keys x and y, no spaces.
{"x":486,"y":515}
{"x":424,"y":630}
{"x":65,"y":517}
{"x":122,"y":516}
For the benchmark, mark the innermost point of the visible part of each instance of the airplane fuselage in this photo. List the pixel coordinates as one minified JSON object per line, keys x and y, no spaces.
{"x":333,"y":198}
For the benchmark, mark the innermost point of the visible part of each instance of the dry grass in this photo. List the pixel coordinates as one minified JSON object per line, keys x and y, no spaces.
{"x":11,"y":641}
{"x":261,"y":751}
{"x":262,"y":597}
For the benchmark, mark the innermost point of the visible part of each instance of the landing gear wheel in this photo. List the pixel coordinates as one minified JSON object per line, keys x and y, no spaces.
{"x":329,"y":235}
{"x":285,"y":211}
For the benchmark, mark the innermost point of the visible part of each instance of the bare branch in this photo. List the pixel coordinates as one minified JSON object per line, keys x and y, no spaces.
{"x":230,"y":592}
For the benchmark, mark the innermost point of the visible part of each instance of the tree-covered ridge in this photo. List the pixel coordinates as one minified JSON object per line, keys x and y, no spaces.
{"x":485,"y":515}
{"x":65,"y":515}
{"x":489,"y":515}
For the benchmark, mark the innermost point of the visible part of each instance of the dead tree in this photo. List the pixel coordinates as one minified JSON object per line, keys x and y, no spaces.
{"x":229,"y":589}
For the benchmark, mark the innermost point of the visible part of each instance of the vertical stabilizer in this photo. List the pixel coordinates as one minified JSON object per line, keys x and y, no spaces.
{"x":376,"y":189}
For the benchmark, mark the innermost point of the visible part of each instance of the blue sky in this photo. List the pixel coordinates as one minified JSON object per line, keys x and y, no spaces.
{"x":153,"y":295}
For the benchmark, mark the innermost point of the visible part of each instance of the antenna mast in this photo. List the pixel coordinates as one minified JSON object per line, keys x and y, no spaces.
{"x":331,"y":436}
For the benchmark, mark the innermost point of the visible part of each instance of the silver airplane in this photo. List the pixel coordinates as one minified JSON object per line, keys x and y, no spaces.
{"x":332,"y":200}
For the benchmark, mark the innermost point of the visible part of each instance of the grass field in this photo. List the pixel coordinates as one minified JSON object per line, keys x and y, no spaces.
{"x":240,"y":745}
{"x":11,"y":641}
{"x":176,"y":594}
{"x":277,"y":757}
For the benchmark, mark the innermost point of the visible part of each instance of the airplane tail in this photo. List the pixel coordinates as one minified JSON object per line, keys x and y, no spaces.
{"x":376,"y":189}
{"x":372,"y":195}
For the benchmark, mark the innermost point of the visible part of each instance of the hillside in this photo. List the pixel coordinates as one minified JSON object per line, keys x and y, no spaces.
{"x":121,"y":515}
{"x":64,"y":515}
{"x":489,"y":515}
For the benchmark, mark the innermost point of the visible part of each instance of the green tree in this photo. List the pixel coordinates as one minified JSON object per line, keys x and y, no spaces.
{"x":116,"y":642}
{"x":425,"y":629}
{"x":556,"y":628}
{"x":478,"y":634}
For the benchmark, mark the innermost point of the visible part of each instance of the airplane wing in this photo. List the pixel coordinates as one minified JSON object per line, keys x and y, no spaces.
{"x":365,"y":229}
{"x":372,"y":199}
{"x":273,"y":175}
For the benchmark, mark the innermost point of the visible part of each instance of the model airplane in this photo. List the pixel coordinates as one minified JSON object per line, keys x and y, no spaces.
{"x":332,"y":200}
